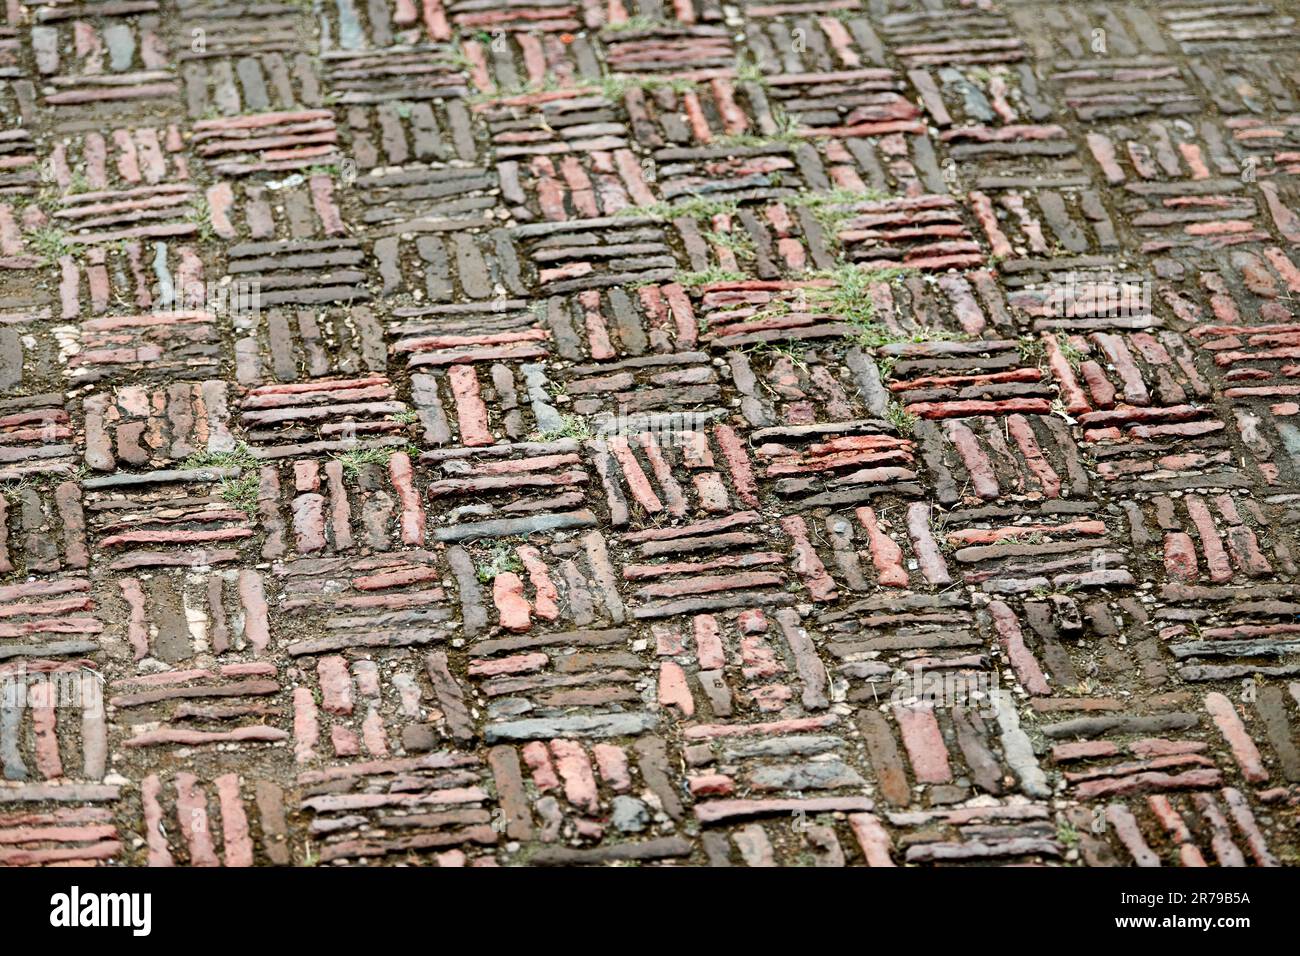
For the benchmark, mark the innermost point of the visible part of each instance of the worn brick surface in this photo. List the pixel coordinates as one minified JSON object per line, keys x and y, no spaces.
{"x":460,"y":432}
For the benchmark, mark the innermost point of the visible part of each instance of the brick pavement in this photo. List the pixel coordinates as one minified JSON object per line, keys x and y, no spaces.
{"x":557,"y":432}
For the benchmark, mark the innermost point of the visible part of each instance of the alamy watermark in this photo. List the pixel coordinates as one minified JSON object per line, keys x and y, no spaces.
{"x":669,"y":429}
{"x":1099,"y":295}
{"x":976,"y":690}
{"x":79,"y":688}
{"x":76,"y":910}
{"x":239,"y":298}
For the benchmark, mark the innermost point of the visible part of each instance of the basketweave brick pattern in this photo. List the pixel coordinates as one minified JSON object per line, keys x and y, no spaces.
{"x":557,"y":433}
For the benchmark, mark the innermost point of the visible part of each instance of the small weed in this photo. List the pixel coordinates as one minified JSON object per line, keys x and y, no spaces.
{"x":1043,"y":591}
{"x":574,"y":426}
{"x":791,"y":351}
{"x":501,"y":558}
{"x":1069,"y":351}
{"x":201,"y":215}
{"x":748,"y":71}
{"x":406,"y":417}
{"x":1032,"y":351}
{"x":904,"y":422}
{"x":938,"y":523}
{"x":873,"y":335}
{"x":49,"y":242}
{"x":459,"y":60}
{"x":833,"y":207}
{"x":1067,"y":833}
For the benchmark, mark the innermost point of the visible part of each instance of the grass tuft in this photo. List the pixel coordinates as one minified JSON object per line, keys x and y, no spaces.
{"x":241,"y":457}
{"x":904,"y":422}
{"x":709,"y":276}
{"x":696,"y":207}
{"x":354,"y":461}
{"x":574,"y":426}
{"x":49,"y":242}
{"x":240,"y":491}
